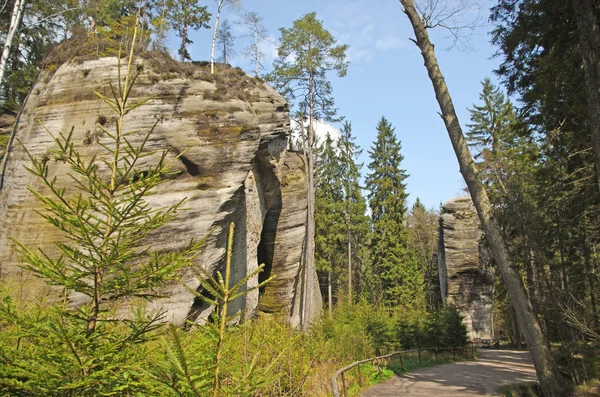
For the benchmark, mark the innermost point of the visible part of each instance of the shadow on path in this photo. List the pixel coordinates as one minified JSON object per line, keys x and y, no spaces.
{"x":482,"y":377}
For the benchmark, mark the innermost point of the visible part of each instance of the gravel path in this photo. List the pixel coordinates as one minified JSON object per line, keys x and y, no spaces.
{"x":482,"y":377}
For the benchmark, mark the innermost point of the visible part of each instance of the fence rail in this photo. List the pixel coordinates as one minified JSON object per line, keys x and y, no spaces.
{"x":377,"y":362}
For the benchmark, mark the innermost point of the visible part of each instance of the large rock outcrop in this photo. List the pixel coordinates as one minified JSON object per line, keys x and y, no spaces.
{"x":236,"y":168}
{"x":466,"y":279}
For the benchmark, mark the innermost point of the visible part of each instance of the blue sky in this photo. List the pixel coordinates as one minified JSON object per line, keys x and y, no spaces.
{"x":386,"y":77}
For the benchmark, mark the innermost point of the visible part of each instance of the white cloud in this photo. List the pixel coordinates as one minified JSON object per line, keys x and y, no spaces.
{"x":368,"y":27}
{"x":322,"y":128}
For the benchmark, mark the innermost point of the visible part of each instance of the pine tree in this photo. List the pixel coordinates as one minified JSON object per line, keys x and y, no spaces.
{"x":186,"y":15}
{"x":395,"y":267}
{"x":300,"y":73}
{"x":329,"y":218}
{"x":355,"y":206}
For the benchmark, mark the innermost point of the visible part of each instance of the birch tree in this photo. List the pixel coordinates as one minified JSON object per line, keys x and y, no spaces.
{"x":546,"y":369}
{"x":221,"y":5}
{"x":15,"y":22}
{"x":306,"y":54}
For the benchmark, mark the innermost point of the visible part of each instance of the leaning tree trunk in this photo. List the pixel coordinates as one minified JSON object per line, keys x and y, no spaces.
{"x":588,"y":20}
{"x":545,"y":366}
{"x":15,"y":21}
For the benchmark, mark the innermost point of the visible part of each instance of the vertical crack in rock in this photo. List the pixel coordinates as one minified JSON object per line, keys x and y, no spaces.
{"x":266,"y":247}
{"x":234,"y":169}
{"x":466,"y":278}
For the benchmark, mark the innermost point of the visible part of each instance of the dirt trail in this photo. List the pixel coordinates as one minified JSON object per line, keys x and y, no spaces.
{"x":482,"y":377}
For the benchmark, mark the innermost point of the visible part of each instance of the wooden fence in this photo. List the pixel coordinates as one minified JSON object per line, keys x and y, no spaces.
{"x":378,"y":360}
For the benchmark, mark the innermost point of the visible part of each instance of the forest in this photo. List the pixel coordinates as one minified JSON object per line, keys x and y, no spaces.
{"x":529,"y":155}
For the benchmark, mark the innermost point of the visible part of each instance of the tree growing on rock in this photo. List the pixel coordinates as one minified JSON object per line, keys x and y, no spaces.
{"x":225,"y":41}
{"x":254,"y":23}
{"x":221,"y":5}
{"x":306,"y":54}
{"x":185,"y":16}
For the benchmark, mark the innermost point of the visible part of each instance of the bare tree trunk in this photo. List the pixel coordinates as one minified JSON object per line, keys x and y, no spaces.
{"x":329,"y":292}
{"x":589,"y":268}
{"x":588,"y":21}
{"x":545,"y":366}
{"x":183,"y":48}
{"x":15,"y":21}
{"x":349,"y":269}
{"x":214,"y":39}
{"x":256,"y":52}
{"x":309,"y":315}
{"x":563,"y":270}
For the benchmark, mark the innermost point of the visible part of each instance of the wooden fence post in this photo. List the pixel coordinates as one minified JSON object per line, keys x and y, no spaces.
{"x":436,"y":354}
{"x":360,"y":381}
{"x":344,"y":385}
{"x":419,"y":352}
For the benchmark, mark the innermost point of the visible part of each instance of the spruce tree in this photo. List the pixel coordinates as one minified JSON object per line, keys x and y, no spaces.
{"x":355,"y":206}
{"x":225,"y":41}
{"x":422,"y":228}
{"x":395,"y":267}
{"x":107,"y":223}
{"x":329,"y":218}
{"x":490,"y":120}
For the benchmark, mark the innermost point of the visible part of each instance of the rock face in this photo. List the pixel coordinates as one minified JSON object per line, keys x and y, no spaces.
{"x":466,"y":279}
{"x":235,"y":169}
{"x":7,"y":120}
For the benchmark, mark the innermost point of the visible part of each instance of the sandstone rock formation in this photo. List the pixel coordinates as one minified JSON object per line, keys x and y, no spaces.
{"x":7,"y":120}
{"x":235,"y":169}
{"x":466,"y":279}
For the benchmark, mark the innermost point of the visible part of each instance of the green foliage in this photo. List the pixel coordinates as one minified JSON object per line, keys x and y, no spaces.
{"x":422,"y":230}
{"x":307,"y":52}
{"x":357,"y":221}
{"x":397,"y":270}
{"x":541,"y":177}
{"x":221,"y":295}
{"x":490,"y":121}
{"x":89,"y":349}
{"x":44,"y":352}
{"x":105,"y":218}
{"x":329,"y":217}
{"x":225,"y":41}
{"x":185,"y":16}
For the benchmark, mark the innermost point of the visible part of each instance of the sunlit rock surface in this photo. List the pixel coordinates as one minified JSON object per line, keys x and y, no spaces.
{"x":466,"y":279}
{"x":235,"y":169}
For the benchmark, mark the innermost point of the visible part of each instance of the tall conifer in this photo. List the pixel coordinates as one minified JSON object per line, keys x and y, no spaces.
{"x":329,"y":217}
{"x":396,"y":270}
{"x":355,"y":207}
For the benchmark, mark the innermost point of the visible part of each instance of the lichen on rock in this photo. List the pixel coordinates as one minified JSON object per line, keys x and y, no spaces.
{"x":230,"y":131}
{"x":466,"y":276}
